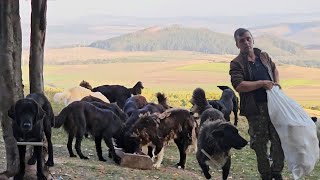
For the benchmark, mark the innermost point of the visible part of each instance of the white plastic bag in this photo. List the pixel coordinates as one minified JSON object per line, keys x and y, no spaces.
{"x":297,"y":132}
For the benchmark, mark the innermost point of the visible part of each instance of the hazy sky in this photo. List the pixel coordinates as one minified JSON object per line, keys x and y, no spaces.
{"x":59,"y":10}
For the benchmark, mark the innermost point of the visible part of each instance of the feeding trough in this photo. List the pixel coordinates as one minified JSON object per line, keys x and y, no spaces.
{"x":135,"y":161}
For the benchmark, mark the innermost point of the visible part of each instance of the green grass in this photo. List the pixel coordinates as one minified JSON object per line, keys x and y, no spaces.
{"x":243,"y":161}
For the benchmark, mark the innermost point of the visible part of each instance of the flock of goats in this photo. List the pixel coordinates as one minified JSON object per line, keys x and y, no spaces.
{"x":124,"y":119}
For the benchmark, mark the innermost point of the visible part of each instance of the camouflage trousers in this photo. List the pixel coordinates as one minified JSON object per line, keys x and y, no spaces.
{"x":262,"y":131}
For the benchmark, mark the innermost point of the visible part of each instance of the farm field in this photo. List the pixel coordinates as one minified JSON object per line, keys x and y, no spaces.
{"x":300,"y":83}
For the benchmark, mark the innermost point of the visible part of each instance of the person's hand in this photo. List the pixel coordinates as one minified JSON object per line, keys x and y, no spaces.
{"x":266,"y":84}
{"x":277,"y":84}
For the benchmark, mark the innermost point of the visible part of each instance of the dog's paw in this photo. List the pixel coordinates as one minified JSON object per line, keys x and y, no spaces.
{"x":207,"y":175}
{"x":102,"y":159}
{"x":156,"y":165}
{"x":73,"y":155}
{"x":49,"y":163}
{"x":117,"y":160}
{"x":84,"y":157}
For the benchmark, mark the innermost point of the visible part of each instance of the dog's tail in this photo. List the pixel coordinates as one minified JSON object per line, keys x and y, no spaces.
{"x":162,"y":100}
{"x":61,"y":118}
{"x":199,"y":99}
{"x":85,"y":84}
{"x":223,"y":87}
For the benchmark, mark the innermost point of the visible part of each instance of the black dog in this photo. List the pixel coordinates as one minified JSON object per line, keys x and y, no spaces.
{"x":32,"y":119}
{"x":201,"y":106}
{"x":235,"y":102}
{"x":80,"y":117}
{"x":116,"y":93}
{"x":103,"y":105}
{"x":216,"y":136}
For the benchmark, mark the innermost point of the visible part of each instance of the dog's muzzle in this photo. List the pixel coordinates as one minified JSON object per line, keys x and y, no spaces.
{"x":26,"y":126}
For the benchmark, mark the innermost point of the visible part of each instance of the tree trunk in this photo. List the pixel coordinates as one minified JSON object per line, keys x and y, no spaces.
{"x":11,"y":88}
{"x":37,"y":40}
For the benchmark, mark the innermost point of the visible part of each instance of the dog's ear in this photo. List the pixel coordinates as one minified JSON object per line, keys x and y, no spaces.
{"x":11,"y":112}
{"x":218,"y":133}
{"x":41,"y":113}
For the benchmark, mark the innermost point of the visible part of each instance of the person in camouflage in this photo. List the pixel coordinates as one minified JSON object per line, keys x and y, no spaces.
{"x":252,"y":73}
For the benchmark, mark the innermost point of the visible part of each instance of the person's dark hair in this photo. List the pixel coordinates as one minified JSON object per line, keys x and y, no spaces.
{"x":239,"y":32}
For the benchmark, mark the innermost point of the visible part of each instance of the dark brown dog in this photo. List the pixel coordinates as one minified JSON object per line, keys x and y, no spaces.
{"x":173,"y":124}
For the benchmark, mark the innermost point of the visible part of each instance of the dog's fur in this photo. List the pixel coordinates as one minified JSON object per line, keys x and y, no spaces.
{"x":162,"y":100}
{"x":76,"y":94}
{"x":111,"y":106}
{"x":116,"y":93}
{"x":126,"y":142}
{"x":133,"y":110}
{"x":201,"y":106}
{"x":133,"y":103}
{"x":216,"y":136}
{"x":225,"y":101}
{"x":159,"y":129}
{"x":80,"y":117}
{"x":32,"y":119}
{"x":216,"y":104}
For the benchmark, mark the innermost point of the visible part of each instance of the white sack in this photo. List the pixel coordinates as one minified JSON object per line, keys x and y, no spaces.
{"x":297,"y":132}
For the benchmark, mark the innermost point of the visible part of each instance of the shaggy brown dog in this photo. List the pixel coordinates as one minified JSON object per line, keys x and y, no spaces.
{"x":176,"y":124}
{"x":32,"y":119}
{"x":80,"y":117}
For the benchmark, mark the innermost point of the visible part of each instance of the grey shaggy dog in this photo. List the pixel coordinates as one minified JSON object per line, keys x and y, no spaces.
{"x":216,"y":136}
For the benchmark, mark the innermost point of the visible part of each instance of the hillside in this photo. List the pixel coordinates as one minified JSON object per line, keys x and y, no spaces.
{"x":190,"y":39}
{"x":305,"y":33}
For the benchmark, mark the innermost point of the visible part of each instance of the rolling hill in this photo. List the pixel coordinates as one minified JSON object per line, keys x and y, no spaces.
{"x":191,"y":39}
{"x":305,"y":33}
